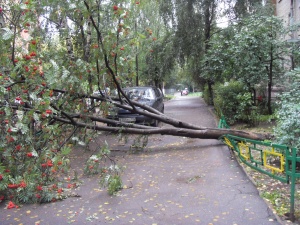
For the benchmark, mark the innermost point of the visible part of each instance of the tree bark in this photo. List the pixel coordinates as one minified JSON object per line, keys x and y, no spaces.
{"x":270,"y":82}
{"x":180,"y":128}
{"x":203,"y":133}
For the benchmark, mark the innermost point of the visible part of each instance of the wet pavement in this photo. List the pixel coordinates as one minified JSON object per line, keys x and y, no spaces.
{"x":174,"y":181}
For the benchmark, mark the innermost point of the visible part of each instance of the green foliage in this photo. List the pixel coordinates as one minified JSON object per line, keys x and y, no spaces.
{"x":246,"y":110}
{"x":250,"y":52}
{"x":109,"y":174}
{"x":96,"y":163}
{"x":233,"y":101}
{"x":139,"y":143}
{"x":206,"y":95}
{"x":195,"y":94}
{"x":278,"y":201}
{"x":287,"y":130}
{"x":243,"y":8}
{"x":114,"y":184}
{"x":111,"y":179}
{"x":193,"y":26}
{"x":47,"y":73}
{"x":168,"y":97}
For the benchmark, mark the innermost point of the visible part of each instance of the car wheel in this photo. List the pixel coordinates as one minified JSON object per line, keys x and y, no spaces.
{"x":155,"y":123}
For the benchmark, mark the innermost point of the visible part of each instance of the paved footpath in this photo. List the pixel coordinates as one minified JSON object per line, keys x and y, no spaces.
{"x":175,"y":181}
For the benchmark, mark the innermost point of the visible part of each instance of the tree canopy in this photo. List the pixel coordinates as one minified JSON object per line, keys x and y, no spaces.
{"x":251,"y":52}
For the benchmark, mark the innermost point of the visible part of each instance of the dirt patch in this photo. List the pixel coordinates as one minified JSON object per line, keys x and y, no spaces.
{"x":262,"y":127}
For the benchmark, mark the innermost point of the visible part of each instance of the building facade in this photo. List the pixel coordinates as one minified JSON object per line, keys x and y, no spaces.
{"x":289,"y":12}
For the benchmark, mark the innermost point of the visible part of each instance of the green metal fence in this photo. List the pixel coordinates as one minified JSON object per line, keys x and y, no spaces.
{"x":274,"y":160}
{"x":222,"y":123}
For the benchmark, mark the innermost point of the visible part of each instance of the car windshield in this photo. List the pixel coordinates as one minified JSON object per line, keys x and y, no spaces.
{"x":137,"y":94}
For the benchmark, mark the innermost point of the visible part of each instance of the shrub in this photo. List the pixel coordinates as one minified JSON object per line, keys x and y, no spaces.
{"x":287,"y":130}
{"x":206,"y":96}
{"x":234,"y":101}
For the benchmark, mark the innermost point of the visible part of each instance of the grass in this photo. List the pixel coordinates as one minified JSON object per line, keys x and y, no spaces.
{"x":193,"y":94}
{"x":277,"y":200}
{"x":198,"y":94}
{"x":168,"y":97}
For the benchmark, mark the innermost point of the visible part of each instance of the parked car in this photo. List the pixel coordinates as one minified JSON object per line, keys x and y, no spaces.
{"x":147,"y":95}
{"x":105,"y":92}
{"x":185,"y":92}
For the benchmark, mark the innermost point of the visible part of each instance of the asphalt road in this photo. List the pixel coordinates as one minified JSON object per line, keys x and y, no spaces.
{"x":174,"y":181}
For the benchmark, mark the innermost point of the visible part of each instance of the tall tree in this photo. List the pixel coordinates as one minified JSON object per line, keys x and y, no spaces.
{"x":238,"y":9}
{"x":253,"y":54}
{"x":194,"y":22}
{"x":210,"y":19}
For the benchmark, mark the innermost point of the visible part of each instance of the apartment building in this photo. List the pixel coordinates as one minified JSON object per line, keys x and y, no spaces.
{"x":289,"y":12}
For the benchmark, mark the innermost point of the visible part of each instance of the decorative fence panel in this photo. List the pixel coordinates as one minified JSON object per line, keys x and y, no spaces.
{"x":274,"y":160}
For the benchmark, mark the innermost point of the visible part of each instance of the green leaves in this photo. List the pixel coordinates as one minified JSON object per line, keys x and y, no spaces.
{"x":66,"y":150}
{"x":287,"y":130}
{"x":111,"y":179}
{"x":7,"y":34}
{"x":141,"y":35}
{"x":233,"y":101}
{"x":114,"y":184}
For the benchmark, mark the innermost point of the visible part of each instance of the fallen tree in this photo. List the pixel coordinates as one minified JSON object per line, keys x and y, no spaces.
{"x":47,"y":84}
{"x":180,"y":128}
{"x":86,"y":121}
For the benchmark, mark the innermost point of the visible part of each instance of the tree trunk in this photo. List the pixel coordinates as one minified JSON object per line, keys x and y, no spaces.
{"x":136,"y":60}
{"x":2,"y":21}
{"x":209,"y":18}
{"x":211,"y":94}
{"x":270,"y":83}
{"x":69,"y":43}
{"x":180,"y":128}
{"x":203,"y":133}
